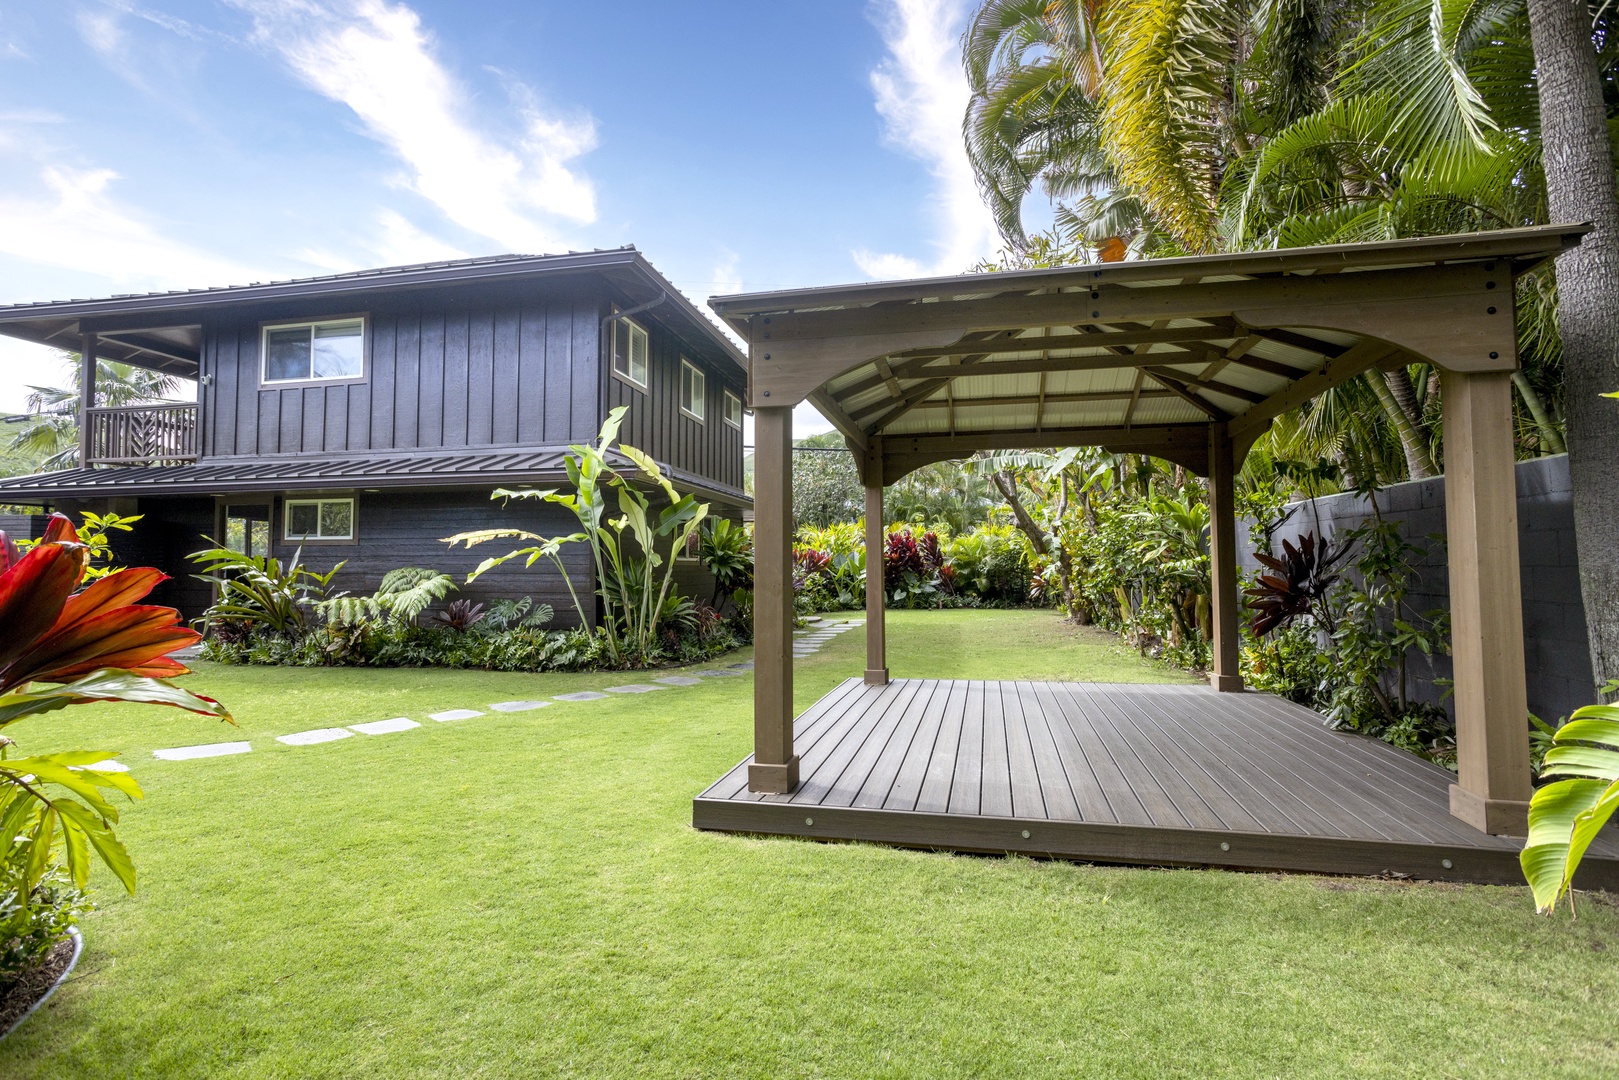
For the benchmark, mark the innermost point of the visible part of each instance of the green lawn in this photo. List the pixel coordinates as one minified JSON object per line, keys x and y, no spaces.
{"x":523,"y":895}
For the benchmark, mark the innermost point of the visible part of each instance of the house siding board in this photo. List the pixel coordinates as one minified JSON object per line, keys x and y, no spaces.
{"x":495,"y":367}
{"x":396,"y":529}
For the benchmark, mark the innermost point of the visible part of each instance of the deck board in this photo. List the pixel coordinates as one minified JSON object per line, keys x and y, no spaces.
{"x":1157,"y":775}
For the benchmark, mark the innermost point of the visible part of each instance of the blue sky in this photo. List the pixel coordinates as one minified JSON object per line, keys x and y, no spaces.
{"x":740,"y":145}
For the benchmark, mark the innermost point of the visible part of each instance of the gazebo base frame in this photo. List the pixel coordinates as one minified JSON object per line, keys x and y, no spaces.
{"x":1507,"y":816}
{"x":1112,"y":773}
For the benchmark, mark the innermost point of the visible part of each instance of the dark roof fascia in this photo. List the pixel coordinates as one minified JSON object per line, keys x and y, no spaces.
{"x":1532,"y":245}
{"x":185,"y":306}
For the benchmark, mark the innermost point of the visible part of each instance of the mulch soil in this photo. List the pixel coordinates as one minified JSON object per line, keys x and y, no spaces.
{"x":19,"y":995}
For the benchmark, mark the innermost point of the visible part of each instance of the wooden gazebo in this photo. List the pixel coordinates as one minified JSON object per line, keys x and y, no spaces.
{"x":1186,"y":359}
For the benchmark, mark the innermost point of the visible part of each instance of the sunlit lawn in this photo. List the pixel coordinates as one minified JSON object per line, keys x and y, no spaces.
{"x":523,"y":894}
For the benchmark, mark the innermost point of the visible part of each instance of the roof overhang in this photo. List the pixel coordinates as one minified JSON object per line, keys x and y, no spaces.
{"x":163,"y":331}
{"x":1141,"y":355}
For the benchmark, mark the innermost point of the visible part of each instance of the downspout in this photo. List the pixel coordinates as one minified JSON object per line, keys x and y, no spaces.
{"x":662,"y":296}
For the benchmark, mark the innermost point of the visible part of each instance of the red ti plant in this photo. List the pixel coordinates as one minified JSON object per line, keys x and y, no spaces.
{"x":61,"y":648}
{"x":1294,"y":582}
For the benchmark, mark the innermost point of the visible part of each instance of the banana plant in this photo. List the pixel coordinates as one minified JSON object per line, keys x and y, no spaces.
{"x":1565,"y":816}
{"x":60,"y":648}
{"x":625,"y":550}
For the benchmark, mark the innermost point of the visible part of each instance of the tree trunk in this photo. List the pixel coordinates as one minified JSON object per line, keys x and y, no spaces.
{"x":1417,"y":461}
{"x":1006,"y":484}
{"x":1551,"y":439}
{"x":1580,"y":188}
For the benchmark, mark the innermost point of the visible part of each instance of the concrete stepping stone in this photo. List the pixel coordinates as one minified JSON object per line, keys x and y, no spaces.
{"x":106,"y":766}
{"x":582,"y":695}
{"x":385,"y":727}
{"x":719,"y":673}
{"x":316,"y":735}
{"x":518,"y":706}
{"x":634,"y":688}
{"x":678,"y":680}
{"x":453,"y":714}
{"x":186,"y":753}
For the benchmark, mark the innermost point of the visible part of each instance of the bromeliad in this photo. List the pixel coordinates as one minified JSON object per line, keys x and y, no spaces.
{"x":58,"y":648}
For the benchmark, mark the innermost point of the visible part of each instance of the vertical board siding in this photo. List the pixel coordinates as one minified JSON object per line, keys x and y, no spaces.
{"x":519,"y":365}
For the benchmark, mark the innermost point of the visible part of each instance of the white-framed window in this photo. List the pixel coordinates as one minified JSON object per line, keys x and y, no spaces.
{"x":693,"y":390}
{"x":314,"y":351}
{"x":318,"y":519}
{"x":692,"y":549}
{"x":630,"y":352}
{"x":733,"y":410}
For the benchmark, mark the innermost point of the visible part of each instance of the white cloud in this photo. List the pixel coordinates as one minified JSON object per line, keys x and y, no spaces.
{"x":75,"y":223}
{"x":375,"y":58}
{"x":397,"y":242}
{"x":101,"y":31}
{"x":922,"y":96}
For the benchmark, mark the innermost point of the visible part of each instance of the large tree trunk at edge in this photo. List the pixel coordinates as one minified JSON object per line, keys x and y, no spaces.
{"x":1580,"y":187}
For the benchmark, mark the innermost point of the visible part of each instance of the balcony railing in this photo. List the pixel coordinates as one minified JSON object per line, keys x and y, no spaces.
{"x":142,"y":434}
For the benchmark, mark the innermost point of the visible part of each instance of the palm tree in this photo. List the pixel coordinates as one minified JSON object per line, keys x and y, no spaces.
{"x":49,"y":430}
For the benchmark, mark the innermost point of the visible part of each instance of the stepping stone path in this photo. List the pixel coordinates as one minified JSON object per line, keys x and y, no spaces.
{"x":218,"y":749}
{"x":318,"y":735}
{"x":105,"y":766}
{"x":453,"y":714}
{"x":385,"y":727}
{"x":806,"y":642}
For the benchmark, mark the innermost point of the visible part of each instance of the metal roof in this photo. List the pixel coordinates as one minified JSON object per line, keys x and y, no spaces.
{"x":175,"y":348}
{"x":1025,"y":356}
{"x":484,"y":471}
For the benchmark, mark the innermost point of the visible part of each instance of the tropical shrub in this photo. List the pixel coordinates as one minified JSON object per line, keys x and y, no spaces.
{"x":519,"y":613}
{"x":62,"y":648}
{"x":624,"y":550}
{"x":402,"y":595}
{"x":726,"y":549}
{"x":259,"y":592}
{"x":1566,"y":815}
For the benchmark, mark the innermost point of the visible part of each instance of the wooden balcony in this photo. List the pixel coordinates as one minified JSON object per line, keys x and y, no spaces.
{"x":163,"y":434}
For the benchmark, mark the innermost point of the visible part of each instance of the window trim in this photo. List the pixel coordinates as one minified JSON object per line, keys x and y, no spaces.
{"x":726,"y":399}
{"x":289,"y":501}
{"x":692,"y":550}
{"x":699,"y":391}
{"x":626,"y":377}
{"x":314,"y":380}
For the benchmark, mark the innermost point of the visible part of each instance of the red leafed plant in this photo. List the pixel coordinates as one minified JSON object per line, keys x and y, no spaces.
{"x":61,"y":648}
{"x":1296,"y":581}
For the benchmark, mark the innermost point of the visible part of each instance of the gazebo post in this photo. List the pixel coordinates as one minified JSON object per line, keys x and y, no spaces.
{"x":876,"y":629}
{"x":1225,"y":674}
{"x":775,"y":766}
{"x":1486,"y":603}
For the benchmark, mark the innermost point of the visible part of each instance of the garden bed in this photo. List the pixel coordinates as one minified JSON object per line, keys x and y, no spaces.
{"x":30,"y":990}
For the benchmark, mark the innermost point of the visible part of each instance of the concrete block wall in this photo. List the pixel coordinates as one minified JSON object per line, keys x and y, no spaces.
{"x":1556,"y":650}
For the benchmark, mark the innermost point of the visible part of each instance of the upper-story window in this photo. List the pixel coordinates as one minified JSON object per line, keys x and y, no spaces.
{"x":630,"y":352}
{"x":693,"y":390}
{"x":308,"y":351}
{"x":733,"y":410}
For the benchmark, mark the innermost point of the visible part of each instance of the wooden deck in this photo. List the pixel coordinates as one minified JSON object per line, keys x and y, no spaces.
{"x":1151,"y":775}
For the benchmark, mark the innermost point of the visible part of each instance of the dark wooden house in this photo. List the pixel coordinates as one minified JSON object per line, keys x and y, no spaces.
{"x":366,"y":416}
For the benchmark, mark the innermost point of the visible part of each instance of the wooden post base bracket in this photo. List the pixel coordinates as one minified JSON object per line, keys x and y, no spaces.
{"x":1226,"y":684}
{"x":1499,"y":817}
{"x":774,"y":779}
{"x":877,"y":676}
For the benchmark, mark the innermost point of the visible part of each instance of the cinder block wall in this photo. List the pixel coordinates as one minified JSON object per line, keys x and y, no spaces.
{"x":1556,"y":650}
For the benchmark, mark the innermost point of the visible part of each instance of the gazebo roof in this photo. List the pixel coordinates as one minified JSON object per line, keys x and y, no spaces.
{"x":1126,"y":352}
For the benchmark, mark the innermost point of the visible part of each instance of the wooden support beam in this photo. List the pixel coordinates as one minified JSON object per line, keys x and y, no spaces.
{"x":1486,"y":604}
{"x":833,"y":410}
{"x":1175,"y":384}
{"x":876,"y":630}
{"x":1007,"y":342}
{"x":87,"y":394}
{"x":1225,"y":674}
{"x":775,"y":766}
{"x":1035,"y":399}
{"x":1198,"y":382}
{"x":1335,"y":371}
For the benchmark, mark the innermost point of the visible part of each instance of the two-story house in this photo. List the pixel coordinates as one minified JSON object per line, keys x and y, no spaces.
{"x":366,"y":416}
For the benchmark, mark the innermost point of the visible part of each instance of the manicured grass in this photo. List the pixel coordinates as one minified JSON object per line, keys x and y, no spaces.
{"x":523,"y":895}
